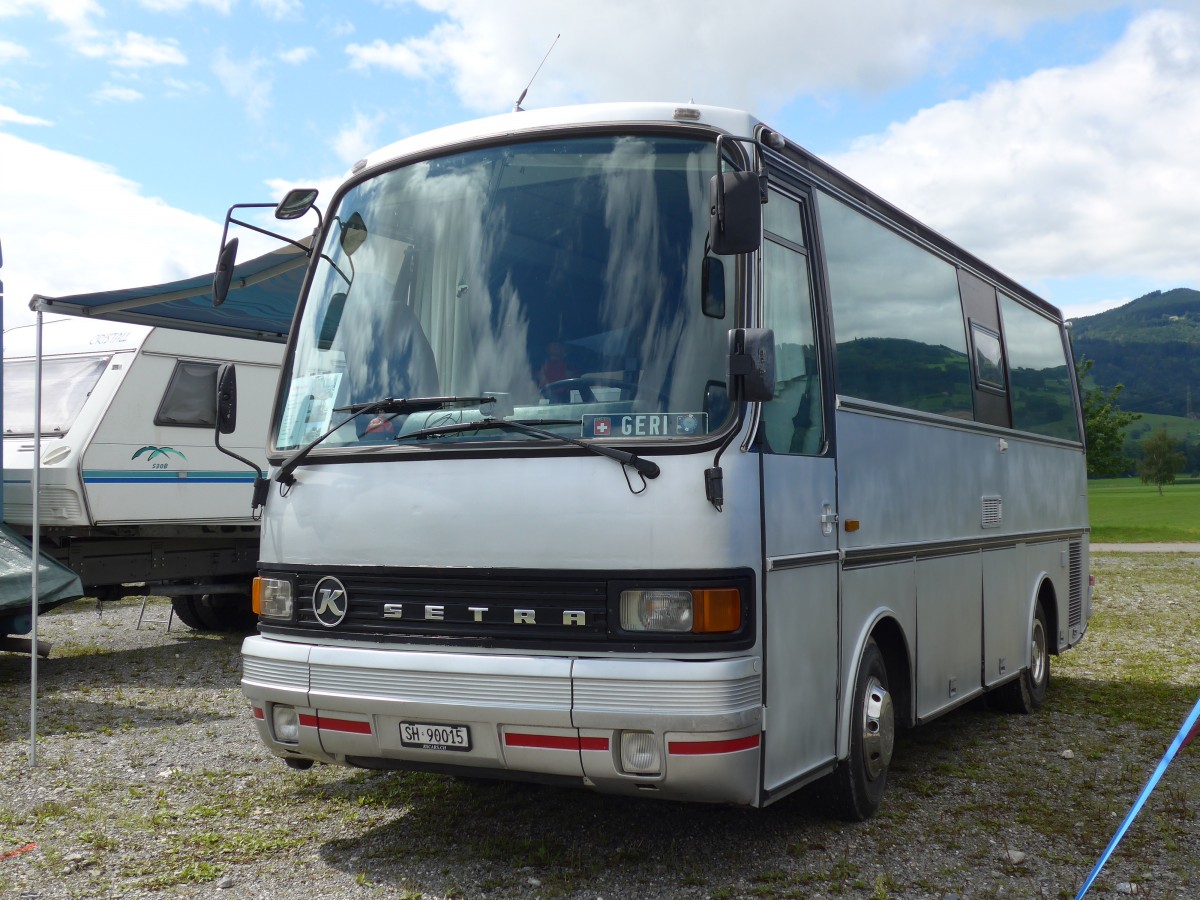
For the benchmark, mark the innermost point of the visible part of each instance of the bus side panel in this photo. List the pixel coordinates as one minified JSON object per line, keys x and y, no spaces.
{"x":949,"y":625}
{"x":1050,"y":561}
{"x":869,"y":594}
{"x":802,"y":664}
{"x":800,"y":619}
{"x":1006,"y":605}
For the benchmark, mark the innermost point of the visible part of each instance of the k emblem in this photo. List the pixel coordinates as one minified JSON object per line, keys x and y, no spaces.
{"x":330,"y":602}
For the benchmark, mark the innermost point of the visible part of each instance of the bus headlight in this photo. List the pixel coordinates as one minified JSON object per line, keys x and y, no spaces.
{"x":639,"y":753}
{"x":273,"y":598}
{"x":696,"y":611}
{"x":285,"y":724}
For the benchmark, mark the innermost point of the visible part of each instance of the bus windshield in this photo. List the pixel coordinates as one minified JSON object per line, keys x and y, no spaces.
{"x":565,"y":278}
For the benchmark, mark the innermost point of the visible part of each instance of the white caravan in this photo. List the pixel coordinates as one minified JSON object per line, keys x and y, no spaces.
{"x":633,"y":447}
{"x":132,"y":487}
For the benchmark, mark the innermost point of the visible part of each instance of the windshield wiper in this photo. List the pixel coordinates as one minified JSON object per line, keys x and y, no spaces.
{"x":644,"y":467}
{"x":393,"y":405}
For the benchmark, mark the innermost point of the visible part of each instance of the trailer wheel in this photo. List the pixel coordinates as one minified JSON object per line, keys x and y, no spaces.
{"x":216,"y":612}
{"x":1027,"y":692}
{"x":855,"y":788}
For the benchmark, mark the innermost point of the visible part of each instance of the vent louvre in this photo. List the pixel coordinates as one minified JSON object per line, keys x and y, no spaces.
{"x":1075,"y":562}
{"x":993,"y":512}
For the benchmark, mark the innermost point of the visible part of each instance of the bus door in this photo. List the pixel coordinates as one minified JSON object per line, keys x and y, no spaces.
{"x":800,"y":607}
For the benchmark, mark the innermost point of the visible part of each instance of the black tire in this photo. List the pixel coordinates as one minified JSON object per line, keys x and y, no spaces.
{"x":1027,"y":692}
{"x":854,"y":790}
{"x":222,"y":613}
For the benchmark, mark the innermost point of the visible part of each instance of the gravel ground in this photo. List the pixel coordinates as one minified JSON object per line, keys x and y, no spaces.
{"x":150,"y":782}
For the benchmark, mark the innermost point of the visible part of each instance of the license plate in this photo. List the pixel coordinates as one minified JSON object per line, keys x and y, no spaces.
{"x":423,"y":736}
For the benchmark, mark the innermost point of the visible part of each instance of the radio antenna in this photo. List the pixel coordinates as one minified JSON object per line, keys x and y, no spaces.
{"x":517,"y":105}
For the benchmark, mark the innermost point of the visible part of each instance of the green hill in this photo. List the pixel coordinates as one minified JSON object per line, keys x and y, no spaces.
{"x":1152,"y":346}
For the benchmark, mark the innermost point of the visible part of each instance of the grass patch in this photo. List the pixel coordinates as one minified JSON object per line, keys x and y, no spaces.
{"x":1123,"y":510}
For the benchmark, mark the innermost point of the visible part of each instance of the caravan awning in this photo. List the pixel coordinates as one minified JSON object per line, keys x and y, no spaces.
{"x":262,"y":299}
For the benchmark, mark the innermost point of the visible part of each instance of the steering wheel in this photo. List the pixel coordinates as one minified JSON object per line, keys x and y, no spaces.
{"x":561,"y":390}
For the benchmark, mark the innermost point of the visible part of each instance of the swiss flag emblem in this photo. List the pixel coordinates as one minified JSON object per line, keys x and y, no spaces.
{"x":603,"y":426}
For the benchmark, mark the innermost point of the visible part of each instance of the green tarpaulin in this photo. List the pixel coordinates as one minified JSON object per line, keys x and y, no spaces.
{"x":57,"y":583}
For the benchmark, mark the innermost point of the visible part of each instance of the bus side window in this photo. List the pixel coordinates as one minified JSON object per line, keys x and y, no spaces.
{"x":792,"y":420}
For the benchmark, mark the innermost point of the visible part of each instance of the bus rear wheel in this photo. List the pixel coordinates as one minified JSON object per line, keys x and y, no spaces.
{"x":855,"y":789}
{"x":1027,"y":692}
{"x":221,"y":613}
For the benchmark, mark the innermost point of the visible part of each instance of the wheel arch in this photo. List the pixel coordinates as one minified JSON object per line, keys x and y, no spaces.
{"x":889,"y":634}
{"x":890,"y":638}
{"x":1045,"y":596}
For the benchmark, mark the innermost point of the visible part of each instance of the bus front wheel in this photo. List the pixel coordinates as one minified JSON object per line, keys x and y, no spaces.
{"x":856,"y":787}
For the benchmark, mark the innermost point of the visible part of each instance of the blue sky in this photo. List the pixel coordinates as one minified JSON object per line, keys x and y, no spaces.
{"x":1054,"y":138}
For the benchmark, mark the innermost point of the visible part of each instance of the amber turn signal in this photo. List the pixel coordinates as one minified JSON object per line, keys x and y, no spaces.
{"x":717,"y":610}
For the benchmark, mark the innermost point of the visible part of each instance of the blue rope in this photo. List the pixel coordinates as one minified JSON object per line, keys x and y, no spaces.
{"x":1180,"y":740}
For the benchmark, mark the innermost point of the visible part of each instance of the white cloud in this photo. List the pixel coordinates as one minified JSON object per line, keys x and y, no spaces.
{"x":65,"y":207}
{"x":1071,"y":171}
{"x":111,"y":93}
{"x":246,"y":81}
{"x":174,"y":6}
{"x":10,"y":115}
{"x":358,"y":138}
{"x":280,"y":9}
{"x":75,"y":15}
{"x":297,"y":55}
{"x":10,"y":51}
{"x":412,"y":58}
{"x":701,"y":50}
{"x":134,"y":51}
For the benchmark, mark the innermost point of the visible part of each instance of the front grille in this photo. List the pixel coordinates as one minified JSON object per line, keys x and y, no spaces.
{"x":464,"y":606}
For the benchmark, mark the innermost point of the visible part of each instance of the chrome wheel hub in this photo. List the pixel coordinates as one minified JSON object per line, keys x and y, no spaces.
{"x":878,"y":728}
{"x":1038,"y":658}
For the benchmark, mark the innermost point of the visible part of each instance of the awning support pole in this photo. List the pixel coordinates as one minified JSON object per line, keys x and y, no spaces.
{"x":35,"y":577}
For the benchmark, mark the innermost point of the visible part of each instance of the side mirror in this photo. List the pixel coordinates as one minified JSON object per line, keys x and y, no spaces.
{"x":227,"y":398}
{"x":223,"y":276}
{"x":331,"y":320}
{"x":752,"y":363}
{"x":354,"y":234}
{"x":735,"y":213}
{"x":296,"y":203}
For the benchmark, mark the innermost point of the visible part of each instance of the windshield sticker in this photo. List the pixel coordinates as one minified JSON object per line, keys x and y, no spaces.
{"x":646,"y":425}
{"x":309,"y":408}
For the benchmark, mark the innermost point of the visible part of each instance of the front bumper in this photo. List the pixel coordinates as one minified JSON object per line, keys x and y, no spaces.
{"x":529,"y":716}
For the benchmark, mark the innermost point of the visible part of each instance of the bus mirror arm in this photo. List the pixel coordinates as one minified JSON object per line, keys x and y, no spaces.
{"x":751,"y":379}
{"x":227,"y":423}
{"x":752,"y":364}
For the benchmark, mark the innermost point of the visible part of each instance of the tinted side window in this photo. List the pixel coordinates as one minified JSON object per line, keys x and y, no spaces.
{"x":191,"y":396}
{"x":1043,"y":400}
{"x":896,"y":315}
{"x":793,"y":419}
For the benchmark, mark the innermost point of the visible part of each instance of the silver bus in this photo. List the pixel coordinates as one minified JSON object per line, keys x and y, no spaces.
{"x":633,"y":447}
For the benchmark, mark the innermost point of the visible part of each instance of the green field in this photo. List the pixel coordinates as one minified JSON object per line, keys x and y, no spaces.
{"x":1123,"y":510}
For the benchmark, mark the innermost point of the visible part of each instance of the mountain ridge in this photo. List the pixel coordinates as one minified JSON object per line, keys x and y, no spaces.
{"x":1151,"y":345}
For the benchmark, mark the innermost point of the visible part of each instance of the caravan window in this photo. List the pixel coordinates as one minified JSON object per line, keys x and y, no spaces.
{"x":66,"y":385}
{"x":191,"y":397}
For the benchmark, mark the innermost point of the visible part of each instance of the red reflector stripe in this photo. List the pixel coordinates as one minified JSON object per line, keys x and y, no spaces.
{"x":700,"y":748}
{"x":329,"y":724}
{"x":554,"y":741}
{"x":258,"y":713}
